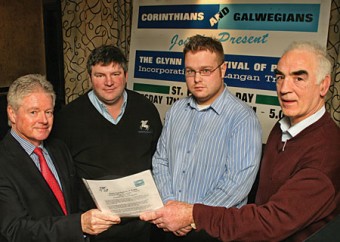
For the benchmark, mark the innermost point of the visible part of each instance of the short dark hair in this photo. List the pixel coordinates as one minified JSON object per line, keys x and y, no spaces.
{"x":200,"y":42}
{"x":105,"y":55}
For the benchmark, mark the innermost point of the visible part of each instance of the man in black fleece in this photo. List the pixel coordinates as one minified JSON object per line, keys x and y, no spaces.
{"x":111,"y":131}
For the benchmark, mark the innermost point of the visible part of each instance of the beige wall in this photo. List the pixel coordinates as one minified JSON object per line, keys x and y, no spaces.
{"x":21,"y":39}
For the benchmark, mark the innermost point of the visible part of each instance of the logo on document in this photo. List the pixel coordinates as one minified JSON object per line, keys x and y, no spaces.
{"x":139,"y":183}
{"x":103,"y":189}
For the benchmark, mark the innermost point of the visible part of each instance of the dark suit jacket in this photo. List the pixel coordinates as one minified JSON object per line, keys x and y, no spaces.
{"x":3,"y":116}
{"x":28,"y":209}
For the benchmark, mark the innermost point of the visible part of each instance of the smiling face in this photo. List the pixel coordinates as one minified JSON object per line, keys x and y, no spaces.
{"x":205,"y":89}
{"x":34,"y":118}
{"x":108,"y":82}
{"x":299,"y":94}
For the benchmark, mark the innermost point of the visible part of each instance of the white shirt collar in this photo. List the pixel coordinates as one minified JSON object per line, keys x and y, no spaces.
{"x":289,"y":131}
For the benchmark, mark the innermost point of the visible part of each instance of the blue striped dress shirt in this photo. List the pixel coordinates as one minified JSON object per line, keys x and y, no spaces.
{"x":208,"y":156}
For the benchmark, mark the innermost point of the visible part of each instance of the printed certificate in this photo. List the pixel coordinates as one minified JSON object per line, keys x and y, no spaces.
{"x":126,"y":197}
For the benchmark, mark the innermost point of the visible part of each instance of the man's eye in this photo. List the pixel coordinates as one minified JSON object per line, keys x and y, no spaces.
{"x":278,"y":77}
{"x":205,"y":71}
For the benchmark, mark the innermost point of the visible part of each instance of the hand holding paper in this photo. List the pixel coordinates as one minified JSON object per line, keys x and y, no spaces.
{"x":174,"y":216}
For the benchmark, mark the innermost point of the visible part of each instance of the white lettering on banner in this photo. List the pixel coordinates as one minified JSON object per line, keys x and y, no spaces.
{"x":273,"y":67}
{"x":161,"y":70}
{"x":217,"y":17}
{"x":168,"y":61}
{"x":146,"y":59}
{"x":270,"y":78}
{"x":243,"y":78}
{"x":237,"y":65}
{"x":260,"y":66}
{"x":172,"y":16}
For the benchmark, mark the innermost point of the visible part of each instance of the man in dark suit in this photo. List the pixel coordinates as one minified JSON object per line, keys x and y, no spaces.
{"x":31,"y":209}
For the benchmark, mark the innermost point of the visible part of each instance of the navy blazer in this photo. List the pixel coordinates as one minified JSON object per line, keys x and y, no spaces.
{"x":29,"y":210}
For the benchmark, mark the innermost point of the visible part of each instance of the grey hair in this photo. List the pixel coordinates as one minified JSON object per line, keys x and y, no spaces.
{"x":26,"y":85}
{"x":324,"y":65}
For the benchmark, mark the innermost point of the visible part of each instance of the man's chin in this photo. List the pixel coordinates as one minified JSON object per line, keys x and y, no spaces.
{"x":42,"y":136}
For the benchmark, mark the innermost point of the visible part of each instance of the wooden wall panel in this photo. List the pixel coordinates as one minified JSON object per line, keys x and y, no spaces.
{"x":22,"y":48}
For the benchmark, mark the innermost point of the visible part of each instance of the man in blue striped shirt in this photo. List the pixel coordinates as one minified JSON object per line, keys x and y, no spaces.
{"x":210,"y":147}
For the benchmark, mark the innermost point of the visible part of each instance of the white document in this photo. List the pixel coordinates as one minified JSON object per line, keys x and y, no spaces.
{"x":126,"y":197}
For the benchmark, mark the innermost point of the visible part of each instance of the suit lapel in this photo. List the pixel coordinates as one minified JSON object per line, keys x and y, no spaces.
{"x":26,"y":168}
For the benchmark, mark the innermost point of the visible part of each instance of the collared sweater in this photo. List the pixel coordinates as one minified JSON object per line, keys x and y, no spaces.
{"x":101,"y":149}
{"x":298,"y":190}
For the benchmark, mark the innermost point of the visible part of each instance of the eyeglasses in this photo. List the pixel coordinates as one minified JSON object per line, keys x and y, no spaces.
{"x":204,"y":72}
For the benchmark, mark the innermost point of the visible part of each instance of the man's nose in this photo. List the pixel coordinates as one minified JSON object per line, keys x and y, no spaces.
{"x":109,"y":81}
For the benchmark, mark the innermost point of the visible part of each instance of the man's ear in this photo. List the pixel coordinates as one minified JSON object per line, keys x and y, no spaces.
{"x":11,"y":114}
{"x":324,"y":85}
{"x":223,"y":69}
